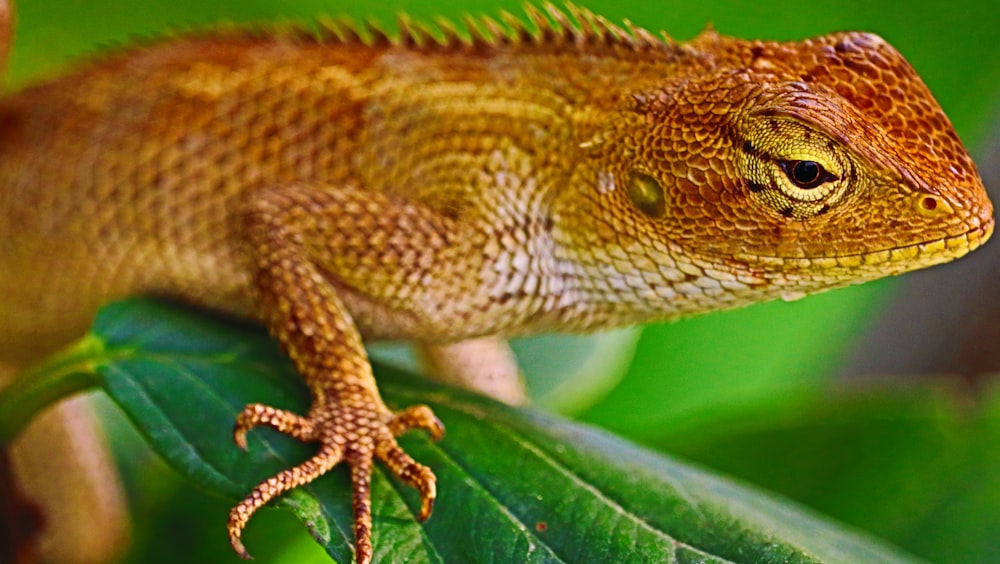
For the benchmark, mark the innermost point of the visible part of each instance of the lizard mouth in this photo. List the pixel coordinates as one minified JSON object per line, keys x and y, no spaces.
{"x":801,"y":276}
{"x":894,"y":260}
{"x":948,"y":248}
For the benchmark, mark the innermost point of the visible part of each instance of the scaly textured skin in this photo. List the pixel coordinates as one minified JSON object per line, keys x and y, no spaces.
{"x":343,"y":190}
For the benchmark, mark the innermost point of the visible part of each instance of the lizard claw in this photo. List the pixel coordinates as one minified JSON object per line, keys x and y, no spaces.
{"x":356,"y":435}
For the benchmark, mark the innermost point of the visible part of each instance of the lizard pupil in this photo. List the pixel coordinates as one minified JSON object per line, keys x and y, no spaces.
{"x":806,"y":174}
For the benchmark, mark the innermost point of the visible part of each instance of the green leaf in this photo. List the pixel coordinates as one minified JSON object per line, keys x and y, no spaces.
{"x":514,"y":485}
{"x":910,"y":459}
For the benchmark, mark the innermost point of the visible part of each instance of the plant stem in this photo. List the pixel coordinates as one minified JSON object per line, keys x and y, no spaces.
{"x":63,"y":374}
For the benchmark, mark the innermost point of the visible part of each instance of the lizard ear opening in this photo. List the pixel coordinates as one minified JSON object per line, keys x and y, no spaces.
{"x":646,"y":193}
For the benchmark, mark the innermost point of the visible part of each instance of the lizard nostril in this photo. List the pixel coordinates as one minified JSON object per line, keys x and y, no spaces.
{"x":933,"y":205}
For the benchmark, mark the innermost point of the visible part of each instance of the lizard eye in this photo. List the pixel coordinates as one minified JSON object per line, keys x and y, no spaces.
{"x":792,"y":167}
{"x":804,"y":180}
{"x":806,"y":174}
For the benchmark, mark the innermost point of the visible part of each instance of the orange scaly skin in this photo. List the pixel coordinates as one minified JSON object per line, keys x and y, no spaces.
{"x":582,"y":177}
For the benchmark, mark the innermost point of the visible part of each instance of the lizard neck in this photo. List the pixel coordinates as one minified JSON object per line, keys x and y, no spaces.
{"x":610,"y":271}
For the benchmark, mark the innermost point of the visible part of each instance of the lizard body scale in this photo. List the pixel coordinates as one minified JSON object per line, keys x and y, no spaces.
{"x":580,"y":176}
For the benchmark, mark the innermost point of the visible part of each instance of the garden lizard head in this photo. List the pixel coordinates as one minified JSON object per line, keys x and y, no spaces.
{"x":794,"y":167}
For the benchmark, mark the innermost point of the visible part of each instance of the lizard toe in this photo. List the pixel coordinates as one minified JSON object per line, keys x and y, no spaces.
{"x":413,"y":473}
{"x":256,"y":414}
{"x":417,"y":417}
{"x":328,"y":456}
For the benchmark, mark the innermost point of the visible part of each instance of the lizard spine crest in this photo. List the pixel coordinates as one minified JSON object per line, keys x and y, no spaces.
{"x":543,"y":26}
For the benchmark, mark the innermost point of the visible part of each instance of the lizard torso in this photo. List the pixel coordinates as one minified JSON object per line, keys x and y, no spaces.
{"x":579,"y":177}
{"x":482,"y":134}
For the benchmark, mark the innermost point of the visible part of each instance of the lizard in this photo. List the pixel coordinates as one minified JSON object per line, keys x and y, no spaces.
{"x":459,"y":186}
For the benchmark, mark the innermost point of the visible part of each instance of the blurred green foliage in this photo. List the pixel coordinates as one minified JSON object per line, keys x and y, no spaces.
{"x":747,"y":392}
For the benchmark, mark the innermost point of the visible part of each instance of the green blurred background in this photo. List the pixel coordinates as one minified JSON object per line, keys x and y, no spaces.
{"x":753,"y":392}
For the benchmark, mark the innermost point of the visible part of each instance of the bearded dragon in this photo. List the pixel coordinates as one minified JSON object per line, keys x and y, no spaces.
{"x":458,"y":187}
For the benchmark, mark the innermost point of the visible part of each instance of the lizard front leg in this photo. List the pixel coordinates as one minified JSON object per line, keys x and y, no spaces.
{"x":300,"y":238}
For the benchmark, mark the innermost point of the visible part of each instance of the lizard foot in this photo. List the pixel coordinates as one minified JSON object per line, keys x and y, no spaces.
{"x":354,"y":434}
